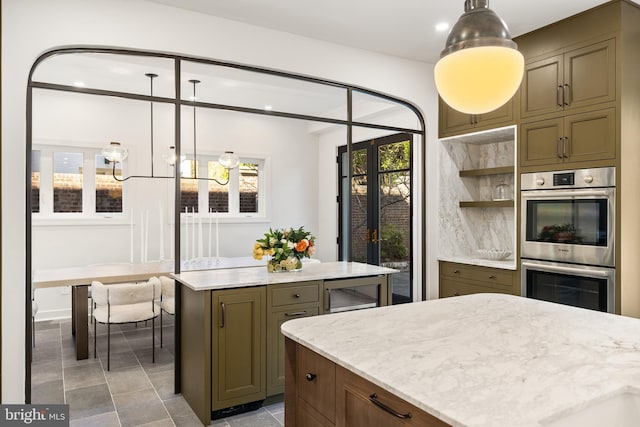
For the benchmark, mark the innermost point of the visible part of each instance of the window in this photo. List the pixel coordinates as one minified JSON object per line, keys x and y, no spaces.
{"x":74,"y":181}
{"x":238,"y":192}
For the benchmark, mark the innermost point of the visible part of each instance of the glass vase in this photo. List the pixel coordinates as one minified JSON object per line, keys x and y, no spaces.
{"x":289,"y":264}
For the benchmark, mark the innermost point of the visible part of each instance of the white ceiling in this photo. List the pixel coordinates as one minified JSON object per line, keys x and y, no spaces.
{"x":404,"y":28}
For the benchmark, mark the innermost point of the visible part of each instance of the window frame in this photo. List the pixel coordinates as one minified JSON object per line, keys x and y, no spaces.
{"x":88,"y":214}
{"x":234,"y":214}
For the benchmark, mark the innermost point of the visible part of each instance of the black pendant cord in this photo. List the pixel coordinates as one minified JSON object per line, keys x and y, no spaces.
{"x":195,"y":154}
{"x":151,"y":77}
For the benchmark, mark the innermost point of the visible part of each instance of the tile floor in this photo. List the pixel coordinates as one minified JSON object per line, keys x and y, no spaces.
{"x":135,"y":392}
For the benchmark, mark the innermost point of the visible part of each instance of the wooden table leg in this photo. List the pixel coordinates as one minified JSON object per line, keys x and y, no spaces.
{"x":79,"y":322}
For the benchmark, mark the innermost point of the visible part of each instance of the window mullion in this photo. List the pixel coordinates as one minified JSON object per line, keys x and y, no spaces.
{"x":46,"y":182}
{"x":88,"y":183}
{"x":234,"y":191}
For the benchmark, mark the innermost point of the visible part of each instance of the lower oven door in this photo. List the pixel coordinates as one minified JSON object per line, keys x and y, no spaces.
{"x":570,"y":284}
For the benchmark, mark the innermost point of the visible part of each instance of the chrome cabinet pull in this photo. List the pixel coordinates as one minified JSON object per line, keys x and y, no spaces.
{"x":456,"y":271}
{"x":565,"y":142}
{"x":223,"y":311}
{"x":492,"y":277}
{"x":374,"y":399}
{"x":457,"y":294}
{"x":297,"y":313}
{"x":310,"y":376}
{"x":566,"y":94}
{"x":296,"y":295}
{"x":559,"y":96}
{"x":558,"y":149}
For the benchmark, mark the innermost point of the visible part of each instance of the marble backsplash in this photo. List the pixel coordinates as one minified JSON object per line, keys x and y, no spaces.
{"x":465,"y":230}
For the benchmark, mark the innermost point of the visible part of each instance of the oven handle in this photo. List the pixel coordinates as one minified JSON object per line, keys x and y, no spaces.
{"x":556,"y":269}
{"x":554,"y":194}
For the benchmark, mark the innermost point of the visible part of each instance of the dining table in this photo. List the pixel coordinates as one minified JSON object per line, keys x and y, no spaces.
{"x":80,"y":278}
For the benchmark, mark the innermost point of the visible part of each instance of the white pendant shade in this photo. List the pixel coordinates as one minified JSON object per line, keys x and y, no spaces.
{"x":114,"y":152}
{"x":480,"y":79}
{"x":229,"y":160}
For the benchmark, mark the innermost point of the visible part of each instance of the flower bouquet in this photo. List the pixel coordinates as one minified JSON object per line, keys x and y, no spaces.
{"x":285,"y":248}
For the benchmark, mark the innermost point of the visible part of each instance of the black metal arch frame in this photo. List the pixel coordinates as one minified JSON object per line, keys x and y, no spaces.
{"x":177,"y":101}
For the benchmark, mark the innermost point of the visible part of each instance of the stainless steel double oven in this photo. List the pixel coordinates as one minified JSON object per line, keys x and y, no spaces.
{"x":568,"y":237}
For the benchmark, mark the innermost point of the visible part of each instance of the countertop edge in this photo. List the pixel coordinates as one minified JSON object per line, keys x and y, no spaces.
{"x":509,"y":264}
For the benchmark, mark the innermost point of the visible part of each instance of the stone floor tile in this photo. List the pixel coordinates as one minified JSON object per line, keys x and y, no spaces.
{"x":89,"y":401}
{"x":257,"y":418}
{"x":42,"y":372}
{"x":108,"y":419}
{"x":164,"y":383}
{"x":139,"y":407}
{"x":84,"y":375}
{"x":127,"y":380}
{"x":182,"y":414}
{"x":120,"y":360}
{"x":49,"y":392}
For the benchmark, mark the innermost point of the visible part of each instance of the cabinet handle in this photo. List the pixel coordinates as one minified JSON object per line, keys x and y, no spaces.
{"x":471,"y":119}
{"x":457,"y":294}
{"x":492,"y":277}
{"x":565,"y":143}
{"x":566,"y":94}
{"x":223,"y":312}
{"x":559,"y":152}
{"x":310,"y":377}
{"x":374,"y":399}
{"x":297,"y":313}
{"x":559,"y":94}
{"x":296,"y":295}
{"x":456,"y":271}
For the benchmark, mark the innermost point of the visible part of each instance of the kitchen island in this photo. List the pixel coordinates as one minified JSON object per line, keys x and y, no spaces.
{"x":230,"y":351}
{"x":476,"y":360}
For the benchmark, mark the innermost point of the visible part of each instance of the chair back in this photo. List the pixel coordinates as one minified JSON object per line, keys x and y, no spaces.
{"x":168,"y":286}
{"x":123,"y":294}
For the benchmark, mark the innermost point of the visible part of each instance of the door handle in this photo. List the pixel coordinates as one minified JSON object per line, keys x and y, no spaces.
{"x":368,"y":235}
{"x":374,"y":240}
{"x":559,"y":96}
{"x":223,"y":314}
{"x":559,"y":151}
{"x":566,"y":94}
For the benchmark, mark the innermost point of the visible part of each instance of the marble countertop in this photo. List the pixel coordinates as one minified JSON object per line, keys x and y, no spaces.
{"x":485,"y":359}
{"x":507,"y":264}
{"x":255,"y":276}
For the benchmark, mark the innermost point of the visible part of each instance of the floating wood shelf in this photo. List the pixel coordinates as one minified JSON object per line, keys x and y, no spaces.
{"x":488,"y":204}
{"x":488,"y":171}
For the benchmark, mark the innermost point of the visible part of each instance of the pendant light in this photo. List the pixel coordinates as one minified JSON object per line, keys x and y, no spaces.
{"x":480,"y":68}
{"x":228,"y":160}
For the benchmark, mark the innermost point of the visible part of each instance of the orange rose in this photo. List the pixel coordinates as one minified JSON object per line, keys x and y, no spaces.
{"x":302,"y":245}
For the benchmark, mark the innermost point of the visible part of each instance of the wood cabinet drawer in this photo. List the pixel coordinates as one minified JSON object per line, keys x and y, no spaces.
{"x":494,"y":276}
{"x":452,"y":288}
{"x":295,"y":293}
{"x":316,"y":382}
{"x":363,"y":404}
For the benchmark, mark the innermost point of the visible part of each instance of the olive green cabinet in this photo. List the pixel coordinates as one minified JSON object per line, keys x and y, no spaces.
{"x":239,"y":346}
{"x":578,"y":138}
{"x":286,"y":302}
{"x":463,"y":279}
{"x":570,"y":80}
{"x":453,"y":122}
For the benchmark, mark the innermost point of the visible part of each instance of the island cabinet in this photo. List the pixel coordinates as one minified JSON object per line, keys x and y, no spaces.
{"x":285,"y":302}
{"x":463,"y":279}
{"x":320,"y":393}
{"x":453,"y":122}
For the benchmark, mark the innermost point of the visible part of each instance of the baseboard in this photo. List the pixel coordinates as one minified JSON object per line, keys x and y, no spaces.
{"x":44,"y":315}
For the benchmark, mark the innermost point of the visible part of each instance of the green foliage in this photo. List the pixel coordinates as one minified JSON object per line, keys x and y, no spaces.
{"x":392,"y":246}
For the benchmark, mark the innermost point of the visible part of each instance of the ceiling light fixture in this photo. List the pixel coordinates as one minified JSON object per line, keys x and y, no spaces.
{"x":228,"y":160}
{"x":116,"y":153}
{"x":480,"y":68}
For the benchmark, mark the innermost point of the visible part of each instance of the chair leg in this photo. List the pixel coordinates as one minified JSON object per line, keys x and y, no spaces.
{"x":33,"y":330}
{"x":160,"y":328}
{"x":109,"y":346}
{"x":153,"y":340}
{"x":95,"y":336}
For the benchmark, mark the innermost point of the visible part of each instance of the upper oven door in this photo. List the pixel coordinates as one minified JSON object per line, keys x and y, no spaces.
{"x":576,"y":226}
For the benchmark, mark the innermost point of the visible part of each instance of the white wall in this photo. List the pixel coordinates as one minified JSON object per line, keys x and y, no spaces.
{"x":30,"y":27}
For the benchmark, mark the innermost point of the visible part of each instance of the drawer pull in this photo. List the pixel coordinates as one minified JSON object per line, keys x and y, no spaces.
{"x":492,"y":277}
{"x":457,"y":294}
{"x":456,"y":271}
{"x":374,"y":399}
{"x":223,"y":313}
{"x":297,"y":313}
{"x":310,"y":376}
{"x":296,"y":295}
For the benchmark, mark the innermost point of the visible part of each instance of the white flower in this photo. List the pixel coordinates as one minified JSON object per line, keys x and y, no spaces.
{"x":283,"y":241}
{"x":280,"y":250}
{"x":291,"y":245}
{"x":272,"y":242}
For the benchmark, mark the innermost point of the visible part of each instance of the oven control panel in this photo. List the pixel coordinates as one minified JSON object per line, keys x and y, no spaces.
{"x":578,"y":178}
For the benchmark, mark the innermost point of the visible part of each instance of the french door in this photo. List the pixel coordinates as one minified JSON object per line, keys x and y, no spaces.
{"x":378,"y":230}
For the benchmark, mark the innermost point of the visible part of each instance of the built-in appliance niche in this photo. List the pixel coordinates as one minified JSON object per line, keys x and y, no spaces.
{"x":474,"y":214}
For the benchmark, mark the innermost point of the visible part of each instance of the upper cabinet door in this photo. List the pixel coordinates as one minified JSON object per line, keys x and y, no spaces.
{"x":574,"y":79}
{"x":590,"y":75}
{"x":542,"y":86}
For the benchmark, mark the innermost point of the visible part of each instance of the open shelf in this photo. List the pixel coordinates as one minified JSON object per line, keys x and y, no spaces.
{"x":488,"y":204}
{"x":488,"y":171}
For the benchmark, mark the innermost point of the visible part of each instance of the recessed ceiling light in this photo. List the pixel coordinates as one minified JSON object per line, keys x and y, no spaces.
{"x":78,"y":84}
{"x":442,"y":26}
{"x":268,"y":107}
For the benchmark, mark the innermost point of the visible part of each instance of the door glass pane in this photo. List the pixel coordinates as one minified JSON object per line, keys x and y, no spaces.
{"x":394,"y":215}
{"x":248,"y":187}
{"x":67,"y":182}
{"x":360,"y":232}
{"x":35,"y":181}
{"x":218,"y":194}
{"x":188,"y":187}
{"x":108,"y":190}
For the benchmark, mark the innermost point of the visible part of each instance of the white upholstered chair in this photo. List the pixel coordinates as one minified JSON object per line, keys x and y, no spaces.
{"x":167,"y":299}
{"x":125,"y":303}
